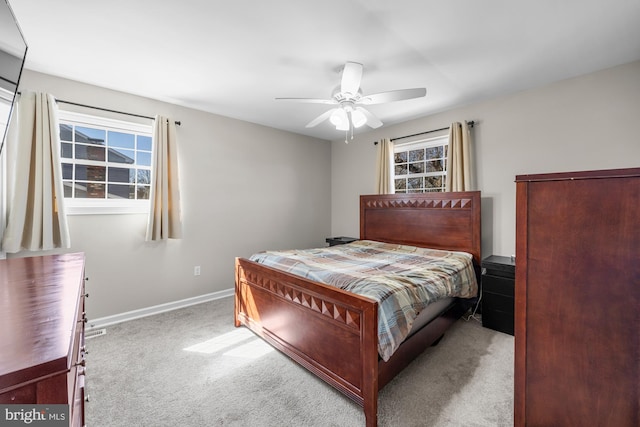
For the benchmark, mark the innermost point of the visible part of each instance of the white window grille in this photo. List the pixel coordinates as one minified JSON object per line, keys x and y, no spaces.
{"x":106,"y":164}
{"x":421,"y":166}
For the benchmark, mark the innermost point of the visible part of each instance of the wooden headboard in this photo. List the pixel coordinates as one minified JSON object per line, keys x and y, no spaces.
{"x":448,"y":221}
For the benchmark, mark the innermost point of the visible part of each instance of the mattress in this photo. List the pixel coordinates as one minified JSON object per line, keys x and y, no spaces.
{"x":403,"y":279}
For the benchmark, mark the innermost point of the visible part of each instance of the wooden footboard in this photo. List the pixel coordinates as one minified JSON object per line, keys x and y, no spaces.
{"x":330,"y":332}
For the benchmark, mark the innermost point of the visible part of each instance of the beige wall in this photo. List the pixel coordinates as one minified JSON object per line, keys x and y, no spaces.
{"x":245,"y":188}
{"x":587,"y":122}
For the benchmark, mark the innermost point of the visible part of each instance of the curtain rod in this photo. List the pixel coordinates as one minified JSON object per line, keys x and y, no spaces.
{"x":177,"y":122}
{"x":471,"y":123}
{"x":109,"y":110}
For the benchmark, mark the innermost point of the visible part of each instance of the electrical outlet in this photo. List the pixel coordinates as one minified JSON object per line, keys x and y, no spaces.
{"x":196,"y":270}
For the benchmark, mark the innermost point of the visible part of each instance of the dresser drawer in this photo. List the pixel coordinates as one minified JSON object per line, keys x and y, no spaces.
{"x":77,"y":409}
{"x":24,"y":394}
{"x":77,"y":371}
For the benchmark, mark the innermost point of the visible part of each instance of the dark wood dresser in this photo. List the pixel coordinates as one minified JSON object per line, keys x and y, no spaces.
{"x":577,"y":320}
{"x":42,"y":332}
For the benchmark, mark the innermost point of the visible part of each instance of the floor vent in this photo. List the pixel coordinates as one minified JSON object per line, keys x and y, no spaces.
{"x":95,"y":333}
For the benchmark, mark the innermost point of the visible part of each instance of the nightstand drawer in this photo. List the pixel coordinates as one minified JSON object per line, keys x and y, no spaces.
{"x":498,"y":321}
{"x":498,"y":285}
{"x":496,"y":302}
{"x":500,"y":266}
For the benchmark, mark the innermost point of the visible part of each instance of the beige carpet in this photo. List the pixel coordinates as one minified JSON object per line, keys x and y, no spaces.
{"x":192,"y":367}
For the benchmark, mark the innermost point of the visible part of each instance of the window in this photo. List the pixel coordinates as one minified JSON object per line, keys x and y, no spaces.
{"x":106,"y":164}
{"x":421,"y":166}
{"x":5,"y":107}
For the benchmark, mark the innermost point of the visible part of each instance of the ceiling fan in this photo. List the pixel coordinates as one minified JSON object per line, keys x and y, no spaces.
{"x":348,"y":98}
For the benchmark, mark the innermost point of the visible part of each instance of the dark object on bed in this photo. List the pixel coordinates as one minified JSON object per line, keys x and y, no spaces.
{"x":333,"y":241}
{"x":333,"y":333}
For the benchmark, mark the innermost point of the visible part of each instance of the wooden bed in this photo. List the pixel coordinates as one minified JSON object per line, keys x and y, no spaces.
{"x":333,"y":333}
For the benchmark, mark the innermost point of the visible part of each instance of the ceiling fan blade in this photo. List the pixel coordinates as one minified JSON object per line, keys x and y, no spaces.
{"x":309,"y":100}
{"x":393,"y":95}
{"x":372,"y":121}
{"x":351,"y":78}
{"x":321,"y":118}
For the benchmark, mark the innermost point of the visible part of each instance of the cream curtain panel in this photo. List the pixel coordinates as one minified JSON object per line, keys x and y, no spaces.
{"x":165,"y":221}
{"x":36,"y":218}
{"x":459,"y":167}
{"x":384,"y":164}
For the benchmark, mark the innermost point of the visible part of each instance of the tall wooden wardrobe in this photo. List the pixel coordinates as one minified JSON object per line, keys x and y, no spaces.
{"x":577,"y":320}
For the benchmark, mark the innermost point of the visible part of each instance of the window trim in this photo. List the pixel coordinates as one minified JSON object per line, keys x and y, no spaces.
{"x":3,"y":166}
{"x":105,"y":206}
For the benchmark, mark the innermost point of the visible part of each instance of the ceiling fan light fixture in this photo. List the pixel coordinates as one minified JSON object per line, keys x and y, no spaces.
{"x":358,"y":118}
{"x":339,"y":119}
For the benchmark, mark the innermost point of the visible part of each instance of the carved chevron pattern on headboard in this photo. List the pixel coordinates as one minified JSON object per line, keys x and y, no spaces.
{"x":418,"y":203}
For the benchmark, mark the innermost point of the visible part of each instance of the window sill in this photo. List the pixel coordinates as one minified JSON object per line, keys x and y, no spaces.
{"x":106,"y":207}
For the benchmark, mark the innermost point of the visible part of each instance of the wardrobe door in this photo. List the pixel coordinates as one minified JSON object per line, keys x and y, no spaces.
{"x":578,"y":301}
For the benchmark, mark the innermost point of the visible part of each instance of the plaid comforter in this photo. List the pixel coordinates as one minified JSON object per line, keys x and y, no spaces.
{"x":402,"y":279}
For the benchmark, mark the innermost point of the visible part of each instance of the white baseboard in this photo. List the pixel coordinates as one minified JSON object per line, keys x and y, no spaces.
{"x":156,"y":309}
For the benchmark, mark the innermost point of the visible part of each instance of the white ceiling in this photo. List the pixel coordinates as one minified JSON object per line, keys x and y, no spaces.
{"x":234,"y":57}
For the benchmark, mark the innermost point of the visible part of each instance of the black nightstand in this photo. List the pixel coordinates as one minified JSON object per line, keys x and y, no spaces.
{"x":333,"y":241}
{"x":498,"y":289}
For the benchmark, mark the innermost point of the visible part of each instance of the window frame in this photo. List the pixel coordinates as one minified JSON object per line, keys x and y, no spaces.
{"x":91,"y":206}
{"x":5,"y":111}
{"x":436,"y":141}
